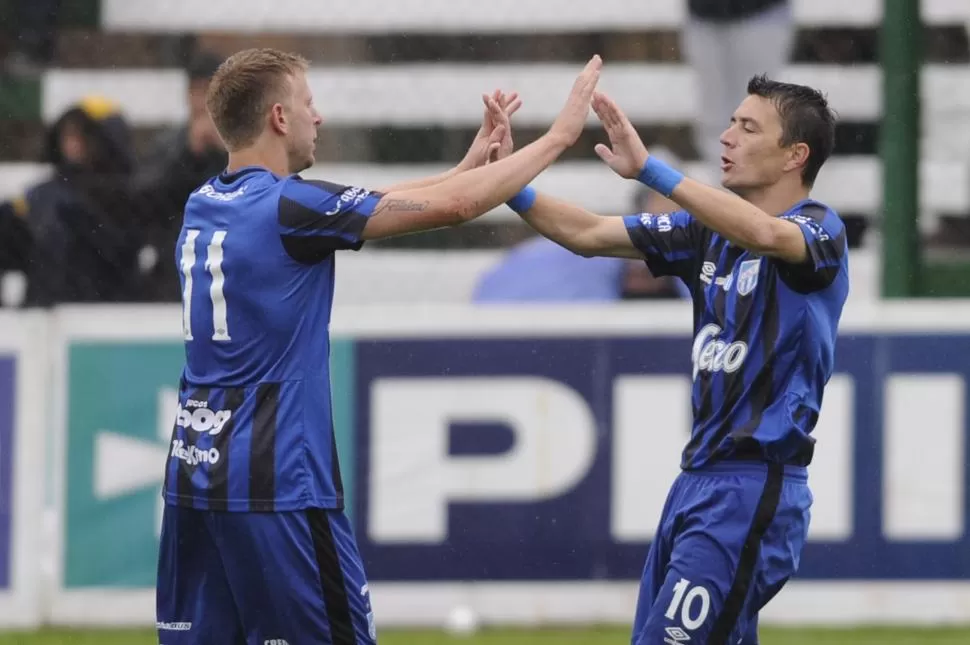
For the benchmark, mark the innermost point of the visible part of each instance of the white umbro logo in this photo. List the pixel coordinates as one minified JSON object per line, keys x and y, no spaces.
{"x":707,"y":276}
{"x":676,"y":636}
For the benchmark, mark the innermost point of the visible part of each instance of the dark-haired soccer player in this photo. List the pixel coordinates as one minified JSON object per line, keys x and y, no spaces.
{"x":255,"y":546}
{"x":767,"y":268}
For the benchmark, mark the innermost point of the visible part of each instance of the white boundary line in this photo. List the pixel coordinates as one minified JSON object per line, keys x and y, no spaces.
{"x":534,"y":604}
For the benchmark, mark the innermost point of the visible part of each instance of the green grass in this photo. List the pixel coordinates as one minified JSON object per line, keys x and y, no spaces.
{"x":888,"y":636}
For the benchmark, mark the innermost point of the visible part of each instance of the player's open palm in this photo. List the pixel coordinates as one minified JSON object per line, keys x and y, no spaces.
{"x":626,"y":153}
{"x":572,"y":118}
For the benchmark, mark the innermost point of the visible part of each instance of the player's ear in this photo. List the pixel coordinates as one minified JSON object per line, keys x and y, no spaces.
{"x":278,"y":120}
{"x":797,"y":156}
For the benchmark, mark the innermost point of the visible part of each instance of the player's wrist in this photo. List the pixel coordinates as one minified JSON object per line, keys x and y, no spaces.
{"x":523,"y":200}
{"x":659,"y":176}
{"x":556,"y":139}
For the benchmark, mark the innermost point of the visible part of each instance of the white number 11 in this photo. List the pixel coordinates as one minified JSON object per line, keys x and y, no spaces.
{"x":213,"y":264}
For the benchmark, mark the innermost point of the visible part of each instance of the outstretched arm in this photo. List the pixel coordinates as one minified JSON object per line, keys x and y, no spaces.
{"x":579,"y":230}
{"x":667,"y":241}
{"x":467,"y":195}
{"x":723,"y":212}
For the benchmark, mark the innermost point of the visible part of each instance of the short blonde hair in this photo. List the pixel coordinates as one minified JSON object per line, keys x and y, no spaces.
{"x":243,"y":89}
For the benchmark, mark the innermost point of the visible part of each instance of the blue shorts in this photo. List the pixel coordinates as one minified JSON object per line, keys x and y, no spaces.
{"x":257,"y":578}
{"x":730,"y":538}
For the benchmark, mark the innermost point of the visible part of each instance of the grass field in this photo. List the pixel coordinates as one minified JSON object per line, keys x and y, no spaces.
{"x":544,"y":637}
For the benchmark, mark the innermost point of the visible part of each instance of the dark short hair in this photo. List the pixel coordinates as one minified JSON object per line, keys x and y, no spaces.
{"x":805,"y":118}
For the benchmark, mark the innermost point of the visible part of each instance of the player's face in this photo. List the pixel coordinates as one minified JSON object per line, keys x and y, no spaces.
{"x":751,"y":155}
{"x":304,"y":121}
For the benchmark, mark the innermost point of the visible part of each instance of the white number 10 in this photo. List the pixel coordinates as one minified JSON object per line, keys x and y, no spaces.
{"x":213,"y":264}
{"x":684,"y":600}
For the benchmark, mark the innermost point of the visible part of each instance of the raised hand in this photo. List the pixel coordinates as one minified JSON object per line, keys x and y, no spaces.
{"x":626,"y":153}
{"x":499,"y":107}
{"x":572,"y":118}
{"x":500,"y":144}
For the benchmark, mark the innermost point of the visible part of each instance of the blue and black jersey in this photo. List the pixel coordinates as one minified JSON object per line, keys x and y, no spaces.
{"x":764,"y":332}
{"x":256,"y":257}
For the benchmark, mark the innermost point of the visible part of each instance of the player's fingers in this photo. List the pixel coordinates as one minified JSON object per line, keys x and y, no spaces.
{"x":603,"y":152}
{"x":495,"y":142}
{"x":587,"y":79}
{"x":487,"y":117}
{"x":592,"y":72}
{"x":602,"y":108}
{"x":616,"y":112}
{"x":594,"y":65}
{"x":608,"y":112}
{"x":496,"y":113}
{"x":509,"y":99}
{"x":492,"y":154}
{"x":597,"y":105}
{"x":497,"y":135}
{"x":513,"y":107}
{"x":602,"y":114}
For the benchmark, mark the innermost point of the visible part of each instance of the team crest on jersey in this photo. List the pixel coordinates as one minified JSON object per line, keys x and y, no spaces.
{"x":748,"y":276}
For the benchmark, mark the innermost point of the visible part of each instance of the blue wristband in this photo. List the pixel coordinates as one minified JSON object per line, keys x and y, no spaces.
{"x":659,"y":176}
{"x":523,"y":200}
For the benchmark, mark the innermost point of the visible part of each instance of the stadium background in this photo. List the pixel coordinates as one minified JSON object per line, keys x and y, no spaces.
{"x":505,"y":459}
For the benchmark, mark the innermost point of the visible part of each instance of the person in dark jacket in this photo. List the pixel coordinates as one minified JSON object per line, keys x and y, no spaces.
{"x":727,"y":42}
{"x":73,"y":235}
{"x":182,"y":159}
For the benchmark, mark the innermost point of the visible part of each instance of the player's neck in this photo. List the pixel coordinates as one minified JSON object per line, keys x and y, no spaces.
{"x":776,"y":199}
{"x":274,"y":160}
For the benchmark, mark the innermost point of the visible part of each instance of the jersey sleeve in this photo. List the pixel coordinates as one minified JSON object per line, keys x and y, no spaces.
{"x":670,"y":242}
{"x":317,"y":218}
{"x":826,"y":244}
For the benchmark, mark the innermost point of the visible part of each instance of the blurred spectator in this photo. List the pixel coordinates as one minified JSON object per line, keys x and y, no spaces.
{"x":182,"y":159}
{"x":726,"y":42}
{"x":34,"y":29}
{"x":73,"y":235}
{"x":539,"y":270}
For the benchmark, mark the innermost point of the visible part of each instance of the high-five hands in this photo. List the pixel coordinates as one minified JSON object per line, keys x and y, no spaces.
{"x":495,"y":135}
{"x":572,"y":118}
{"x":626,"y":153}
{"x":494,"y":132}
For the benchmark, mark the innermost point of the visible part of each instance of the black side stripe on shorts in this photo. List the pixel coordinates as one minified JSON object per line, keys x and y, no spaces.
{"x":262,"y":451}
{"x":763,"y":516}
{"x":331,"y":579}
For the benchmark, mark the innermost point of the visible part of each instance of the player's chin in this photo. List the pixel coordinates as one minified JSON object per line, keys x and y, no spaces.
{"x":728,"y":181}
{"x":734,"y":183}
{"x":304,"y":163}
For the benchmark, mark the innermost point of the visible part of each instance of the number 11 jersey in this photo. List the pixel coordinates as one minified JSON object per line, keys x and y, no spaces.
{"x":254,"y":429}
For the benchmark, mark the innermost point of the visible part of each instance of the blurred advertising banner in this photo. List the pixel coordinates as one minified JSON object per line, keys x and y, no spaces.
{"x":516,"y":460}
{"x":550,"y":459}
